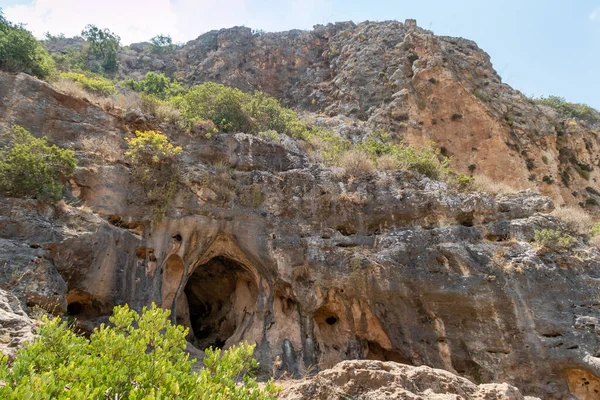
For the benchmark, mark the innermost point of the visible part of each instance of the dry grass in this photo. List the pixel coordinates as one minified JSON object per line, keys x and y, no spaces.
{"x":74,"y":89}
{"x":129,"y":101}
{"x":357,"y":163}
{"x":167,"y":113}
{"x":106,"y":148}
{"x":488,"y":185}
{"x":388,"y":163}
{"x":595,"y":241}
{"x":70,"y":88}
{"x":575,"y":219}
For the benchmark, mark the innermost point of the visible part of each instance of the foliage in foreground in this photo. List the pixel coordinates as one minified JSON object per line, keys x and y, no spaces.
{"x":138,"y":357}
{"x":30,"y":167}
{"x":21,"y":52}
{"x":554,"y":239}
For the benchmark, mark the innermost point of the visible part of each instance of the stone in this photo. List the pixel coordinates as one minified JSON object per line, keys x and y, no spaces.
{"x":389,"y":380}
{"x":16,"y":328}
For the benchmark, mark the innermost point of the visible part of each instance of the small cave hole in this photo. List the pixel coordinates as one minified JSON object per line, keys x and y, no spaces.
{"x":331,"y":320}
{"x":466,"y":220}
{"x":177,"y":238}
{"x":376,"y":352}
{"x":116,"y":220}
{"x":346,"y":230}
{"x":497,"y":238}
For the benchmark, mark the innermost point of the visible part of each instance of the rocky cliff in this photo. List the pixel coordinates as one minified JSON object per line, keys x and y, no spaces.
{"x":404,"y":79}
{"x":312,"y":266}
{"x":262,"y":244}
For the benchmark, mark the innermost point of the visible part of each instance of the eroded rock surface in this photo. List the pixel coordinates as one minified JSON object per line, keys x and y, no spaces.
{"x":16,"y":327}
{"x":313,"y":267}
{"x":402,"y":78}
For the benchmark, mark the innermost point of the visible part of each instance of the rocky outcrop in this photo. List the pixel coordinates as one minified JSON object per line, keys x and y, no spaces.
{"x":402,"y":78}
{"x":16,"y":327}
{"x":313,"y":267}
{"x":389,"y":380}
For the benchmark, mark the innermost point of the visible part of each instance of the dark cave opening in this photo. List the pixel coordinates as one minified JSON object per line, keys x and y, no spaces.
{"x":221,"y":295}
{"x":75,"y":308}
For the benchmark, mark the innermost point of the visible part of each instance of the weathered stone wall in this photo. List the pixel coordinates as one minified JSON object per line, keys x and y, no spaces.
{"x":313,"y":267}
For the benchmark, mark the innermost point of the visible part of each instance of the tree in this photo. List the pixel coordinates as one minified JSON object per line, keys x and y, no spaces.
{"x":21,"y":52}
{"x":30,"y":167}
{"x":162,"y":44}
{"x":136,"y":357}
{"x":104,"y":45}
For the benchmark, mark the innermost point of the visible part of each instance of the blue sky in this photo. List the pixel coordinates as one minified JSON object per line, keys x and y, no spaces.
{"x":538,"y":47}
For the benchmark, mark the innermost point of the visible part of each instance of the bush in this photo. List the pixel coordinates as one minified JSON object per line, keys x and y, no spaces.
{"x":464,"y":183}
{"x":569,"y":110}
{"x":485,"y":184}
{"x":157,"y":85}
{"x":91,"y":82}
{"x":595,"y":230}
{"x":576,"y":219}
{"x":222,"y":105}
{"x":137,"y":357}
{"x":387,"y":162}
{"x":155,"y":167}
{"x":357,"y":163}
{"x":232,"y":110}
{"x":554,"y":239}
{"x":30,"y":167}
{"x":21,"y":52}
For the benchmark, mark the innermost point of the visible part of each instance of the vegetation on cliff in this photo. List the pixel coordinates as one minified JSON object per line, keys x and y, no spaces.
{"x":30,"y":167}
{"x":21,"y":52}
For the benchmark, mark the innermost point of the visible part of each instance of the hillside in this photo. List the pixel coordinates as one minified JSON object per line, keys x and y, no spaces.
{"x":401,"y":78}
{"x":328,"y":238}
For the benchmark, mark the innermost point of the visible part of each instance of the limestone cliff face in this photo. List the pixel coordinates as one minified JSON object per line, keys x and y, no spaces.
{"x":405,"y":79}
{"x":313,"y":267}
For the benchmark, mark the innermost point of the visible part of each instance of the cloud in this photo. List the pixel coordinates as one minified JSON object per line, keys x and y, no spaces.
{"x":139,"y":20}
{"x":595,"y":15}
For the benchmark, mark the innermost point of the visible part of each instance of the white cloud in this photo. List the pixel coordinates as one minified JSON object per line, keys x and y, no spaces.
{"x":139,"y":20}
{"x":595,"y":15}
{"x":133,"y":20}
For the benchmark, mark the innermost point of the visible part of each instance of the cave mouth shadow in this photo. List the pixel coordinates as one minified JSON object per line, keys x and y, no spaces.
{"x":221,"y":298}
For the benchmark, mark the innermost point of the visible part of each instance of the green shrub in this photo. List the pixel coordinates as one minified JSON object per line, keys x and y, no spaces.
{"x":554,"y":239}
{"x":464,"y":183}
{"x":232,"y":110}
{"x":426,"y":160}
{"x":217,"y":103}
{"x":595,"y":231}
{"x":103,"y":47}
{"x":137,"y":357}
{"x":569,"y":110}
{"x":30,"y":167}
{"x":155,"y":166}
{"x":21,"y":52}
{"x":157,"y":85}
{"x":92,"y":82}
{"x":325,"y":143}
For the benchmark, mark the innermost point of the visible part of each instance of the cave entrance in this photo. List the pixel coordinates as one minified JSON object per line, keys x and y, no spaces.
{"x":221,"y":298}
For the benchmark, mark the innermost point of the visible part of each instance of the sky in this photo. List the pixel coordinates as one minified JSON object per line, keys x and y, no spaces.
{"x":540,"y":47}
